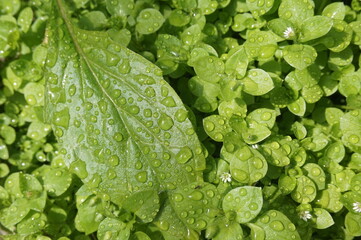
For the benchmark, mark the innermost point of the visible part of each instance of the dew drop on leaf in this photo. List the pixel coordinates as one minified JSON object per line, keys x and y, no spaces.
{"x":277,"y":225}
{"x":62,"y":117}
{"x":142,"y":176}
{"x":78,"y":167}
{"x":196,"y":195}
{"x":184,"y":155}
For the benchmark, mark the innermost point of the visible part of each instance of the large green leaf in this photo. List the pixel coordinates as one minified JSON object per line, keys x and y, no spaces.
{"x":122,"y":128}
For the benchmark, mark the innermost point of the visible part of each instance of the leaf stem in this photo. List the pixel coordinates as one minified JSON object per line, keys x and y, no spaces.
{"x":67,"y":20}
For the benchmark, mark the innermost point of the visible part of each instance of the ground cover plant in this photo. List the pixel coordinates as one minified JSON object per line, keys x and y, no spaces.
{"x":180,"y":119}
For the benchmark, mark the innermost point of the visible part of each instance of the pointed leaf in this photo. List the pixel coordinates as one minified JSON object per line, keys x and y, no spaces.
{"x":122,"y":128}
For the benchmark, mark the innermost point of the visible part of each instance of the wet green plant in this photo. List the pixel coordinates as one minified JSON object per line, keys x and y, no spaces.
{"x":180,"y":119}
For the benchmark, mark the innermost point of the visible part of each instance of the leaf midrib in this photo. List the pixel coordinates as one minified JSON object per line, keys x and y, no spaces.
{"x":69,"y":26}
{"x":89,"y":63}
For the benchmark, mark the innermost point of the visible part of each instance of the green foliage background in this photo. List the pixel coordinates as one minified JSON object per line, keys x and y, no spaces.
{"x":180,"y":119}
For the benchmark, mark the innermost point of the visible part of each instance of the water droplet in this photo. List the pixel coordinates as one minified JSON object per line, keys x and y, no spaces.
{"x":287,"y":15}
{"x":354,"y":139}
{"x":165,"y":122}
{"x":77,"y":123}
{"x":113,"y":160}
{"x":61,"y":118}
{"x":156,"y":163}
{"x":138,"y":165}
{"x":190,"y":220}
{"x":247,"y":214}
{"x":178,"y":197}
{"x":196,"y":195}
{"x":244,"y":153}
{"x":201,"y":224}
{"x":149,"y":92}
{"x":142,"y":176}
{"x":144,"y":79}
{"x":95,"y":181}
{"x":265,"y":219}
{"x":147,"y":112}
{"x":308,"y":190}
{"x":277,"y":225}
{"x":31,"y":99}
{"x":134,"y":109}
{"x":111,"y":174}
{"x":184,"y":155}
{"x":257,"y":162}
{"x":116,"y":93}
{"x":163,"y":225}
{"x":164,"y":91}
{"x":78,"y":167}
{"x":266,"y":116}
{"x":315,"y":171}
{"x":89,"y":92}
{"x":112,"y":59}
{"x":168,"y":102}
{"x":166,"y":156}
{"x":209,"y":126}
{"x":240,"y":175}
{"x":253,"y":206}
{"x":72,"y":90}
{"x":218,"y":137}
{"x":124,"y":67}
{"x":103,"y":106}
{"x":105,"y":83}
{"x":88,"y":106}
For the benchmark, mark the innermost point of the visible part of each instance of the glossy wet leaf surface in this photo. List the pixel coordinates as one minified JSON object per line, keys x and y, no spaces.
{"x":296,"y":11}
{"x":149,"y":21}
{"x":352,"y":223}
{"x":351,"y":128}
{"x":323,"y":218}
{"x":159,"y":114}
{"x":257,"y":82}
{"x":113,"y":229}
{"x":246,"y":202}
{"x":230,"y":231}
{"x":126,"y":143}
{"x":247,"y":165}
{"x":299,"y":56}
{"x":276,"y":226}
{"x":315,"y":27}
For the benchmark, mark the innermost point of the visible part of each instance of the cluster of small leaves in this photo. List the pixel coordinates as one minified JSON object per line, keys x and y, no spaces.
{"x":272,"y":90}
{"x":36,"y":189}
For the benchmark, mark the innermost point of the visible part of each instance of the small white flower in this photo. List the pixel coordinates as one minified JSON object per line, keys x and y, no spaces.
{"x":255,"y":146}
{"x":225,"y":177}
{"x":305,"y":215}
{"x":356,"y":207}
{"x":288,"y":32}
